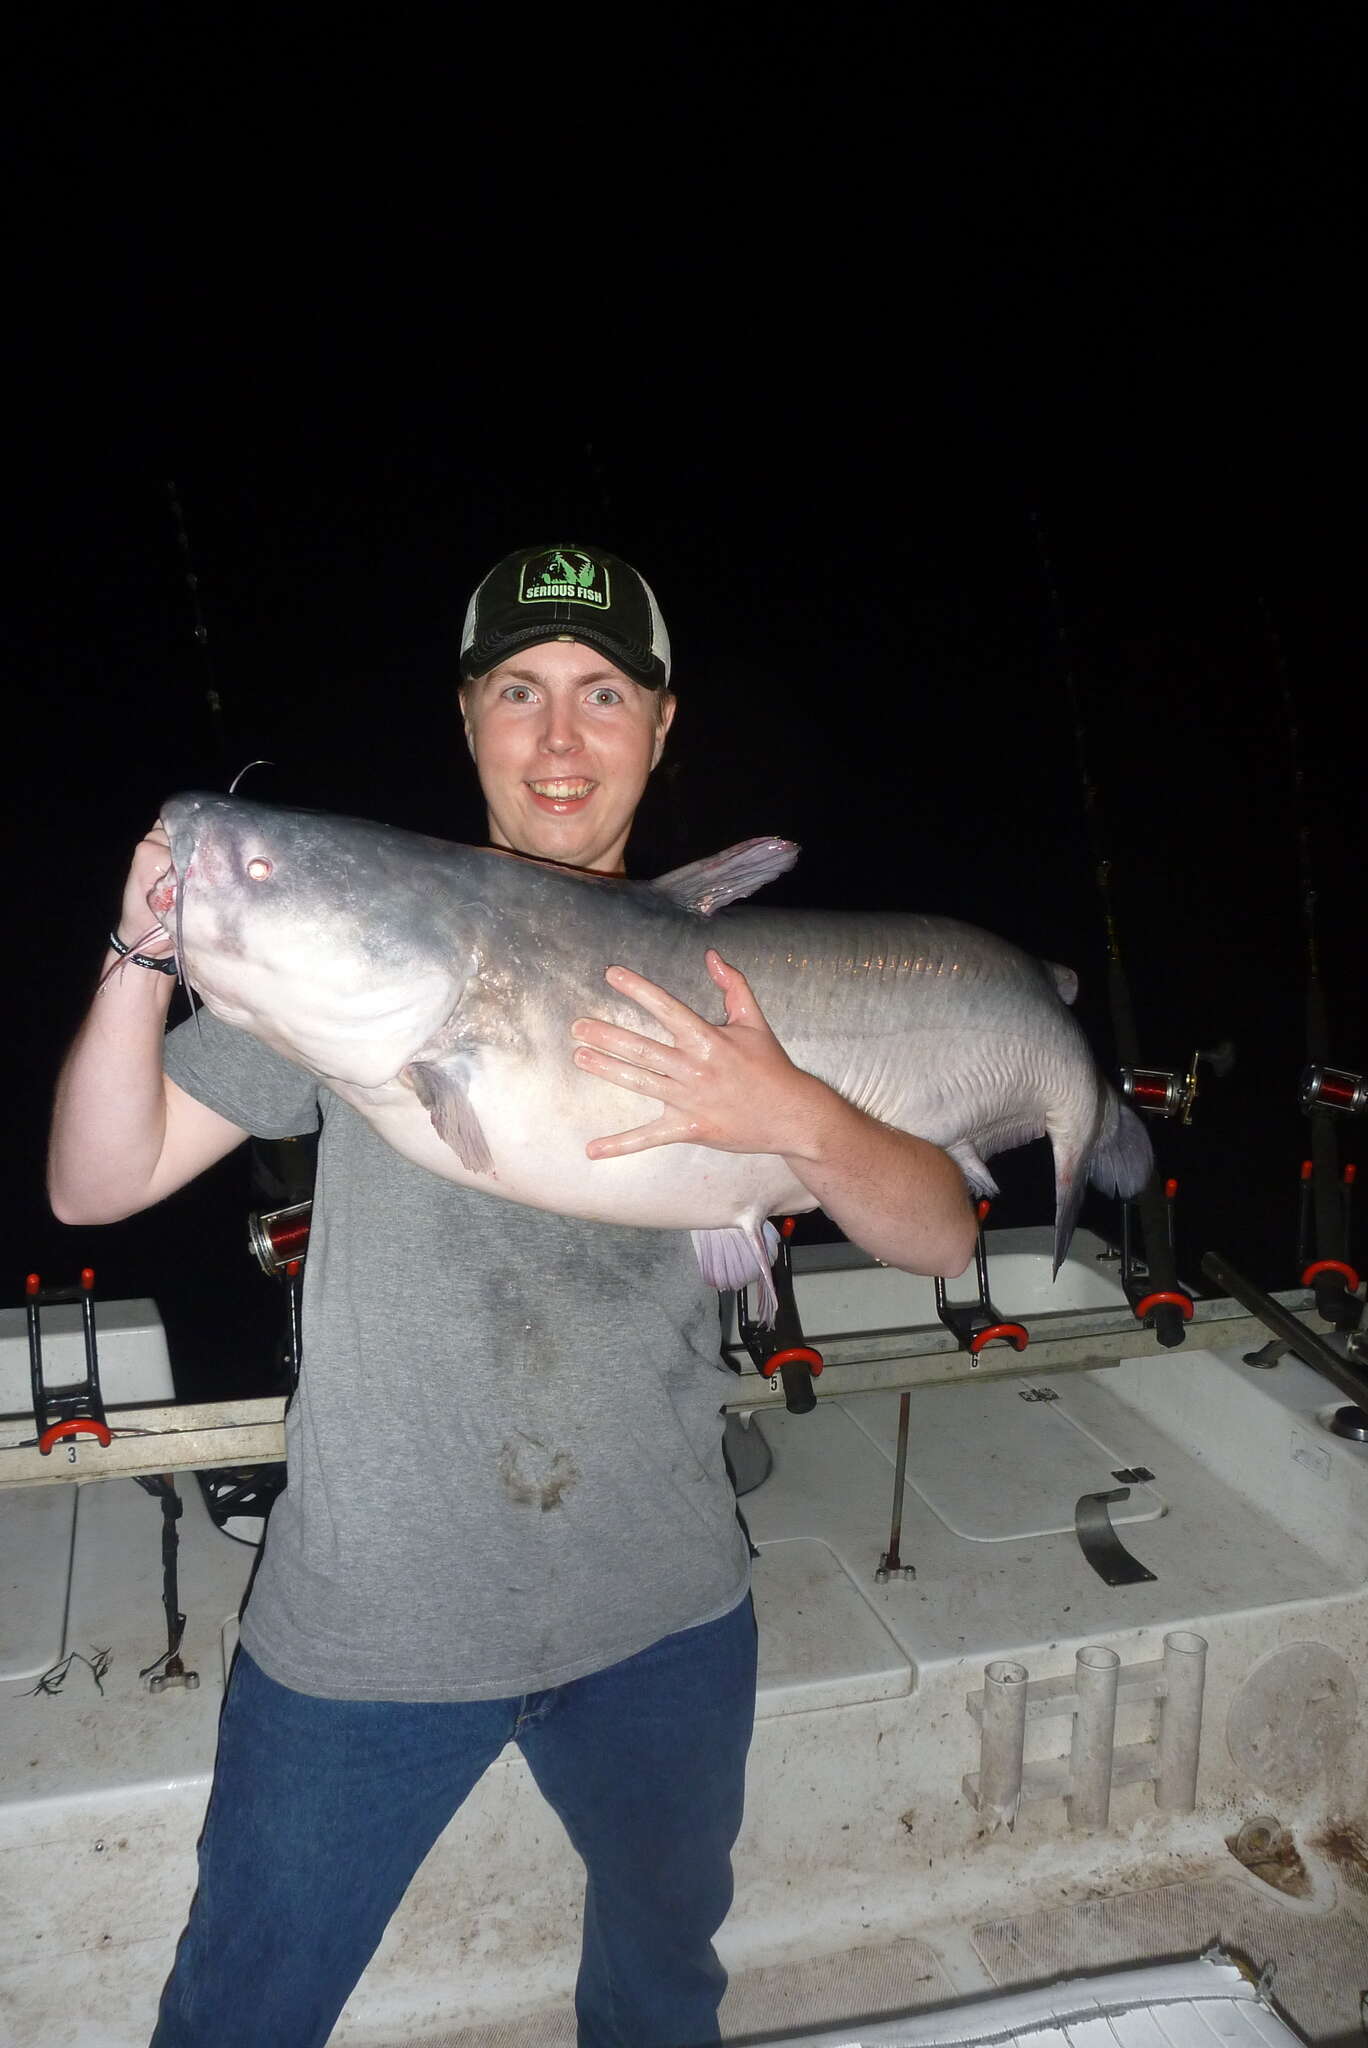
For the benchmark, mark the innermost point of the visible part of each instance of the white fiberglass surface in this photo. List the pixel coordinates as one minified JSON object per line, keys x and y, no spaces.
{"x":1217,"y":1550}
{"x":993,"y":1462}
{"x":37,"y":1524}
{"x":117,"y":1735}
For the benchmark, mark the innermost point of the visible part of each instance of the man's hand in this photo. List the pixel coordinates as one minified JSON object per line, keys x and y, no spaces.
{"x":151,"y":860}
{"x":731,"y":1086}
{"x":123,"y":1134}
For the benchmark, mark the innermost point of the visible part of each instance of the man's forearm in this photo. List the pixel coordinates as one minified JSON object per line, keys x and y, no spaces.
{"x":109,"y":1113}
{"x":901,"y":1199}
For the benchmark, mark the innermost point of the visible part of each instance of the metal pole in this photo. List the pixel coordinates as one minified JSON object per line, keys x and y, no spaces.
{"x":891,"y":1562}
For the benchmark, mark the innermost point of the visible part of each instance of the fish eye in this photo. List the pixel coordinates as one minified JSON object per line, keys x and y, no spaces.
{"x":259,"y":868}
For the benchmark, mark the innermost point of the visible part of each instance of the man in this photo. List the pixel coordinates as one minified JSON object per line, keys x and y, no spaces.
{"x":507,"y":1515}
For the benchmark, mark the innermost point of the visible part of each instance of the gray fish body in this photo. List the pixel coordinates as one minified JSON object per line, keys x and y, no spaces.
{"x":433,"y":986}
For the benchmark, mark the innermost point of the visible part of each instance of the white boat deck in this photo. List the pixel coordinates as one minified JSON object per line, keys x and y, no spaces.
{"x":867,"y":1882}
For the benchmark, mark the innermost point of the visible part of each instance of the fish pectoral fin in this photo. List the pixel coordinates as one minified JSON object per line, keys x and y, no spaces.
{"x":980,"y":1181}
{"x":442,"y":1092}
{"x":733,"y":1257}
{"x":706,"y":885}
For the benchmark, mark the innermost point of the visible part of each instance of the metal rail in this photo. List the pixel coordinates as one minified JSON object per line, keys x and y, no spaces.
{"x":190,"y":1436}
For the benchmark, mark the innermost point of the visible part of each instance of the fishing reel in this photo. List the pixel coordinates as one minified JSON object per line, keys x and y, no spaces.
{"x":1332,"y":1088}
{"x":279,"y":1238}
{"x":1162,"y":1091}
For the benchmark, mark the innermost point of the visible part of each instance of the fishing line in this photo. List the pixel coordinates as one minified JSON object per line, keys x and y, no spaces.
{"x":1328,"y":1271}
{"x":1151,"y":1205}
{"x":1092,"y":803}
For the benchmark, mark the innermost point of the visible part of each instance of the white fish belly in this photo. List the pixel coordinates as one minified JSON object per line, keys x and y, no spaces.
{"x":537,"y":1135}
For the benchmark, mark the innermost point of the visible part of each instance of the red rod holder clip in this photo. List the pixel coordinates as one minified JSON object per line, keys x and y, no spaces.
{"x":79,"y":1426}
{"x":1182,"y":1302}
{"x":1010,"y":1333}
{"x":796,"y":1354}
{"x":1351,"y":1278}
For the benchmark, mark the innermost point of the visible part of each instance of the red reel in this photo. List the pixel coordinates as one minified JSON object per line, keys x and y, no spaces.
{"x":279,"y":1238}
{"x":1333,"y":1088}
{"x":1159,"y":1090}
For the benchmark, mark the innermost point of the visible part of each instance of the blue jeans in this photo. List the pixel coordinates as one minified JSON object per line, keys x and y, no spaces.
{"x":322,"y":1810}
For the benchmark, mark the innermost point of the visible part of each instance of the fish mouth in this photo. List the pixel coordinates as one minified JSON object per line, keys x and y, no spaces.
{"x":163,"y":896}
{"x":561,"y":794}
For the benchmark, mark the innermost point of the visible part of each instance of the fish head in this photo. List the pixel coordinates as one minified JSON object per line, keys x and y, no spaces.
{"x":321,"y":936}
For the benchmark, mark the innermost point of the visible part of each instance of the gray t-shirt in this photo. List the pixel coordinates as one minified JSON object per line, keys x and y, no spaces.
{"x":505,"y":1449}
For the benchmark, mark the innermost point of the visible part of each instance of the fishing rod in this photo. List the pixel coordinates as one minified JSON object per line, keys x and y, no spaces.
{"x":1325,"y":1092}
{"x":199,"y":631}
{"x":289,"y":1162}
{"x":1149,"y":1270}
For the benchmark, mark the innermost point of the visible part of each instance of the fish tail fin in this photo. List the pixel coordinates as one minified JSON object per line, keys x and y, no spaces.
{"x":1070,"y":1187}
{"x":1116,"y":1157}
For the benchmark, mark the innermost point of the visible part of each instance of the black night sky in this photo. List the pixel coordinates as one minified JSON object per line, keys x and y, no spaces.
{"x":820,"y":338}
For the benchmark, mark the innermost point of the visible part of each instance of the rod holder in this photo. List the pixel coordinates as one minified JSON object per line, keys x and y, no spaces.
{"x":1088,"y":1800}
{"x":1180,"y":1721}
{"x":1097,"y":1687}
{"x":1004,"y":1741}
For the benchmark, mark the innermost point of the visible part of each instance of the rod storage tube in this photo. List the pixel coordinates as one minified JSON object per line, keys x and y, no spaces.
{"x":1096,"y":1676}
{"x":1180,"y":1721}
{"x":1003,"y":1740}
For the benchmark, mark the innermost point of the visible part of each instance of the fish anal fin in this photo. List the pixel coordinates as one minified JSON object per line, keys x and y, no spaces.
{"x":981,"y":1182}
{"x":442,"y":1091}
{"x":707,"y":885}
{"x":737,"y":1256}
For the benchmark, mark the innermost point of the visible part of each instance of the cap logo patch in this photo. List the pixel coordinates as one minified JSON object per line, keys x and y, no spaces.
{"x":564,"y":575}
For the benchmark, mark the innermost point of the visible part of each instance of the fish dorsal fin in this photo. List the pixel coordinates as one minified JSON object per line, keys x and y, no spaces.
{"x":1065,"y":981}
{"x":706,"y":885}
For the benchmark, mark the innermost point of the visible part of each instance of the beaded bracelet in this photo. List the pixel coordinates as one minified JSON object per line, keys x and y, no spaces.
{"x":139,"y":959}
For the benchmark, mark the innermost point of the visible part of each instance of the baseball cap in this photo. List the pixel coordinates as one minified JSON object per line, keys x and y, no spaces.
{"x":564,"y":593}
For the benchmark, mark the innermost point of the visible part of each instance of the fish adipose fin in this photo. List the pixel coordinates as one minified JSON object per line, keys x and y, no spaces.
{"x":706,"y":885}
{"x":442,"y":1092}
{"x":1065,"y":981}
{"x":735,"y":1257}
